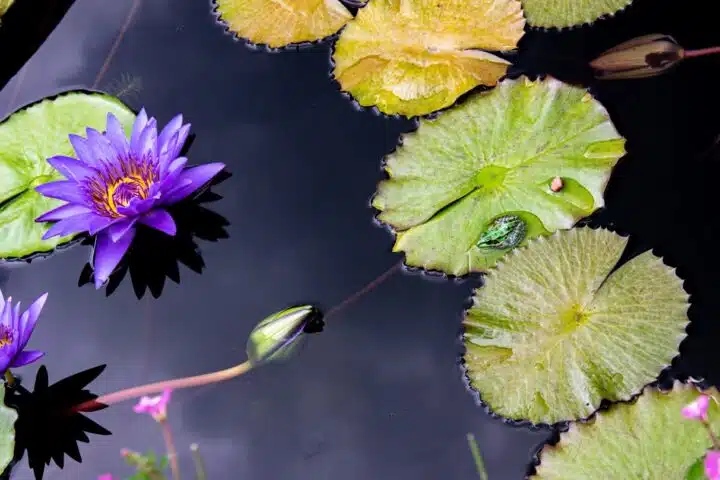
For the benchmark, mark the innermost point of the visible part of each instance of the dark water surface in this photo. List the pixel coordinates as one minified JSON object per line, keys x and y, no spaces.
{"x":379,"y":394}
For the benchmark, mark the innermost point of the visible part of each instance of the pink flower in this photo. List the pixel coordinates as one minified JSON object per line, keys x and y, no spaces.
{"x":697,"y":410}
{"x":105,"y":476}
{"x":712,"y":465}
{"x":155,"y":406}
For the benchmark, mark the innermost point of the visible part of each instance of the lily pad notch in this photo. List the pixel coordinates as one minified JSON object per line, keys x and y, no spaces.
{"x":557,"y":328}
{"x":539,"y":152}
{"x":30,"y":136}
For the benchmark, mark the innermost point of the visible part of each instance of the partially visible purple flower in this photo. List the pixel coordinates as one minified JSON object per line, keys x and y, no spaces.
{"x":697,"y":410}
{"x":155,"y":406}
{"x":712,"y":465}
{"x":15,"y":332}
{"x":116,"y":182}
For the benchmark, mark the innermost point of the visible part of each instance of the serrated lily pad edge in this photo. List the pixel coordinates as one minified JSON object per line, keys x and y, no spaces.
{"x":76,"y":239}
{"x":577,"y":26}
{"x":255,"y":47}
{"x":555,"y":440}
{"x":562,"y":425}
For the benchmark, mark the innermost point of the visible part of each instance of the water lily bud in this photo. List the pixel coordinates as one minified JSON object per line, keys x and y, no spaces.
{"x":275,"y":336}
{"x":640,"y":57}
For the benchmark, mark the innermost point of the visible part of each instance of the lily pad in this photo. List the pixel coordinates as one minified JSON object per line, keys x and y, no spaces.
{"x":8,"y":416}
{"x":567,"y":13}
{"x":278,"y":23}
{"x":412,"y":57}
{"x":496,"y":155}
{"x":645,"y":439}
{"x":555,"y":330}
{"x":4,"y":5}
{"x":28,"y":138}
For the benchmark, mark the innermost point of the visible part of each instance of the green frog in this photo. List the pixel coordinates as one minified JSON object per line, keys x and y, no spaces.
{"x":503,"y":232}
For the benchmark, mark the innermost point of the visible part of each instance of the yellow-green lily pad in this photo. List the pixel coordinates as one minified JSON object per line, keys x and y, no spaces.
{"x":413,"y":57}
{"x":568,"y":13}
{"x":646,"y":439}
{"x":495,"y":155}
{"x":555,"y":329}
{"x":28,"y":138}
{"x":8,"y":417}
{"x":278,"y":23}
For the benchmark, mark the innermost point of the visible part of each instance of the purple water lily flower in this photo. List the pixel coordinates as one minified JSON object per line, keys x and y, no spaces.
{"x":15,"y":332}
{"x":115,"y":183}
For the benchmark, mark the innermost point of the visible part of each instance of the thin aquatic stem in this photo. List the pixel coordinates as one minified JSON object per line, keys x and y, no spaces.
{"x":199,"y":463}
{"x":475,"y":450}
{"x":713,"y":437}
{"x":701,"y":52}
{"x":175,"y":384}
{"x":9,"y":378}
{"x":116,"y":44}
{"x":170,"y":448}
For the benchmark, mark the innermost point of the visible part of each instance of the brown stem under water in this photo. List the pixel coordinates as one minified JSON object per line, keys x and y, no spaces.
{"x":170,"y":447}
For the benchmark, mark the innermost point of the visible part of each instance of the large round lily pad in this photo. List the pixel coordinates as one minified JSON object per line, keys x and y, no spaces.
{"x":647,"y":439}
{"x":555,"y":330}
{"x":28,"y":138}
{"x":278,"y":23}
{"x":8,"y":416}
{"x":413,"y":57}
{"x":567,"y":13}
{"x":496,"y":155}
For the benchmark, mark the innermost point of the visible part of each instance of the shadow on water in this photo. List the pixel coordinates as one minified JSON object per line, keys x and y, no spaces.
{"x":25,"y":27}
{"x":48,"y":428}
{"x":154,"y":256}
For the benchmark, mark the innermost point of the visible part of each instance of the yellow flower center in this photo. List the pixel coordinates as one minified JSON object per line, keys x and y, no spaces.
{"x":6,"y":336}
{"x":124,"y":190}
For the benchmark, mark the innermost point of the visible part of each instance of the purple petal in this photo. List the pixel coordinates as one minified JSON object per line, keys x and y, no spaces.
{"x":72,"y":168}
{"x":174,"y":146}
{"x":108,"y":254}
{"x":169,"y":131}
{"x":62,"y":190}
{"x":29,"y":318}
{"x":190,"y":180}
{"x":2,"y":301}
{"x":63,"y":212}
{"x":82,"y":149}
{"x":26,"y":357}
{"x":116,"y":135}
{"x":138,"y":127}
{"x":160,"y":220}
{"x":101,"y":148}
{"x":146,"y":145}
{"x":16,"y":317}
{"x":170,"y":178}
{"x":6,"y":315}
{"x":85,"y":222}
{"x":119,"y":229}
{"x":137,"y":206}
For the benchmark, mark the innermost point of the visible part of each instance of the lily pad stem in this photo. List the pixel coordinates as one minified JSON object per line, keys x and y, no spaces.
{"x":199,"y":463}
{"x":170,"y":447}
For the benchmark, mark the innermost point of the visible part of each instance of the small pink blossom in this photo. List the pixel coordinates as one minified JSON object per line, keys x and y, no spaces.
{"x":697,"y":410}
{"x":712,"y":465}
{"x":155,"y":406}
{"x":105,"y":476}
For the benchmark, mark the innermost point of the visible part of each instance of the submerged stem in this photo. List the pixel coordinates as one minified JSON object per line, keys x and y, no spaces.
{"x":475,"y":450}
{"x":177,"y":383}
{"x":713,"y":437}
{"x":170,"y":447}
{"x":9,"y":378}
{"x":199,"y":463}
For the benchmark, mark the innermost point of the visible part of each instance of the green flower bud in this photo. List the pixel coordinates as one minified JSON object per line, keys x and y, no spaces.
{"x":276,"y":336}
{"x":640,"y":57}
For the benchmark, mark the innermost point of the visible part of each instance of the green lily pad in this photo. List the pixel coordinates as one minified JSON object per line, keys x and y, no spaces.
{"x":28,"y":138}
{"x":414,"y":57}
{"x":555,"y":330}
{"x":8,"y":416}
{"x":4,"y":5}
{"x":567,"y":13}
{"x":497,"y":155}
{"x":647,"y":439}
{"x":278,"y":23}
